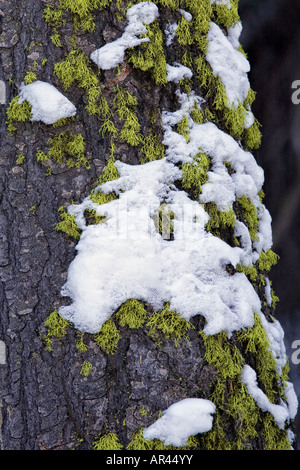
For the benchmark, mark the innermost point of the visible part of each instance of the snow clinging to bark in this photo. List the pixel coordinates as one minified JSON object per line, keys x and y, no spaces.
{"x":48,"y":104}
{"x":181,"y":420}
{"x":112,"y":54}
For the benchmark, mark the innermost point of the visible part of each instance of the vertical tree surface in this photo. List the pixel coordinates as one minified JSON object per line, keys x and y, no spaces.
{"x":136,"y":248}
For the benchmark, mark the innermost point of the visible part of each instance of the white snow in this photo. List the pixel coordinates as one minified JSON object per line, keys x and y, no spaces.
{"x":127,"y":258}
{"x":234,"y":33}
{"x":187,"y":16}
{"x":177,"y":72}
{"x":181,"y":420}
{"x":279,"y":412}
{"x":229,"y":64}
{"x":170,"y":32}
{"x":222,"y":2}
{"x":48,"y":104}
{"x":112,"y":54}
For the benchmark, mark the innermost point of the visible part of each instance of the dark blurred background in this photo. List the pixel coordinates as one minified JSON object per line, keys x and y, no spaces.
{"x":271,"y":38}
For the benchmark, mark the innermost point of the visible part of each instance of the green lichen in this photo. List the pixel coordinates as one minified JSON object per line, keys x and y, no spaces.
{"x":221,"y":223}
{"x":152,"y":148}
{"x":150,"y":55}
{"x":20,"y":159}
{"x":248,"y":213}
{"x":108,"y":337}
{"x":125,"y":105}
{"x":138,"y":442}
{"x":194,"y":174}
{"x":226,"y":17}
{"x":68,"y":148}
{"x":109,"y":441}
{"x":266,"y":260}
{"x":182,"y":127}
{"x":30,"y":77}
{"x":17,"y":113}
{"x":68,"y":224}
{"x":132,"y":314}
{"x":86,"y":368}
{"x":57,"y":327}
{"x":170,"y":323}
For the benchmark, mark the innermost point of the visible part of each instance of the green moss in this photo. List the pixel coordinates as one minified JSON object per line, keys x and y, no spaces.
{"x":57,"y":327}
{"x":68,"y":224}
{"x":274,"y":438}
{"x":194,"y":174}
{"x":248,"y":213}
{"x":75,"y":68}
{"x":41,"y":156}
{"x":126,"y":105}
{"x":253,"y":136}
{"x":223,"y":355}
{"x":182,"y":128}
{"x":170,"y":323}
{"x":30,"y":77}
{"x":109,"y":441}
{"x":80,"y":345}
{"x":226,"y":17}
{"x":152,"y":148}
{"x":234,"y":120}
{"x":266,"y":260}
{"x":132,"y":313}
{"x":68,"y":148}
{"x":184,"y":32}
{"x":138,"y":442}
{"x":86,"y":368}
{"x":108,"y":337}
{"x":20,"y":159}
{"x":220,"y":223}
{"x":150,"y":55}
{"x":17,"y":113}
{"x":250,"y":271}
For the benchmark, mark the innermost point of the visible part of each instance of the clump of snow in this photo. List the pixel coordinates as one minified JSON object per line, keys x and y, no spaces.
{"x":234,"y":33}
{"x":181,"y":420}
{"x":292,"y":400}
{"x":177,"y":72}
{"x":48,"y":104}
{"x":221,"y":188}
{"x":279,"y":412}
{"x":222,"y":2}
{"x":187,"y":16}
{"x":112,"y":54}
{"x":229,"y":64}
{"x":170,"y":32}
{"x":126,"y":257}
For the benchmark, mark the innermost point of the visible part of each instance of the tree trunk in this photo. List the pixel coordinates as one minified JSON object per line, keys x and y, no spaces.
{"x":64,"y":383}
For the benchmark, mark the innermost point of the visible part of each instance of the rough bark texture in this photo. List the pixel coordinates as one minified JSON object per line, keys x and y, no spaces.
{"x":46,"y":400}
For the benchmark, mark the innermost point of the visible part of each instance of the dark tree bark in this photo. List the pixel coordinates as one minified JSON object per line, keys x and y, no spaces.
{"x":50,"y":399}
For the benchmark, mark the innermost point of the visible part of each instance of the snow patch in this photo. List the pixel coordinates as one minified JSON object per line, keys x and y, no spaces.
{"x":229,"y":64}
{"x":112,"y":54}
{"x":48,"y":104}
{"x":181,"y":420}
{"x":177,"y":72}
{"x":170,"y":33}
{"x":279,"y":412}
{"x":126,"y":257}
{"x":222,"y":2}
